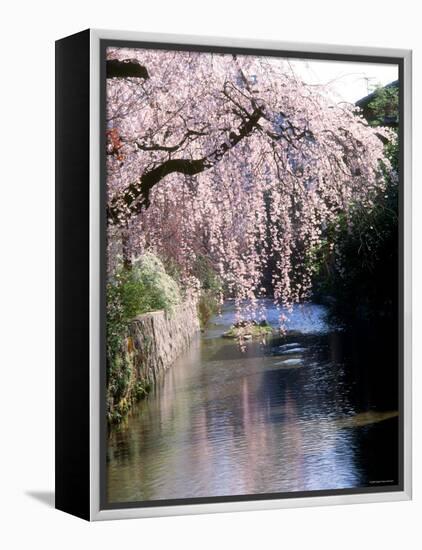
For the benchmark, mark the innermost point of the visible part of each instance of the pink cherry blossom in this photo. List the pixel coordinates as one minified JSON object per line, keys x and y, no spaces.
{"x":234,"y":158}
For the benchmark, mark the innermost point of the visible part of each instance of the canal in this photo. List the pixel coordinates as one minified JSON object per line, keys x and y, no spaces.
{"x":313,"y":410}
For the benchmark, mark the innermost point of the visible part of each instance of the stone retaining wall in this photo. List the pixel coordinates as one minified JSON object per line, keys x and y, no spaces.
{"x":160,"y":337}
{"x":153,"y":342}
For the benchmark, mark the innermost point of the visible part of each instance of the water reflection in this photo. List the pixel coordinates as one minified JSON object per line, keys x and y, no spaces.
{"x":222,"y":422}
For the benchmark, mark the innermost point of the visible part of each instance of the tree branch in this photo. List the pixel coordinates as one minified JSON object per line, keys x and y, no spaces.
{"x":137,"y":194}
{"x":126,"y":68}
{"x":168,"y":148}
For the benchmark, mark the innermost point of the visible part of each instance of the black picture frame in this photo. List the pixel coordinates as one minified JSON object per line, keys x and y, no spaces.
{"x":80,"y":401}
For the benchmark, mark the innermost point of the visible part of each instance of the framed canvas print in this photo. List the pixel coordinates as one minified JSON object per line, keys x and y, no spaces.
{"x":233,"y":274}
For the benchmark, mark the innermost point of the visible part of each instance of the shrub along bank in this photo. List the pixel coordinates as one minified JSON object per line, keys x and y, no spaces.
{"x":149,"y":323}
{"x":145,"y":287}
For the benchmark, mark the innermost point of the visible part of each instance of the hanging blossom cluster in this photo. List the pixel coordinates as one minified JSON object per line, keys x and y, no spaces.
{"x":233,"y":158}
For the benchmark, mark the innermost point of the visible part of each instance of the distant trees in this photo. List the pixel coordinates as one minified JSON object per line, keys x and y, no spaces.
{"x":381,"y":107}
{"x":362,"y":272}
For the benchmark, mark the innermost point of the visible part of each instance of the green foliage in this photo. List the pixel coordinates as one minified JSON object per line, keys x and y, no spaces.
{"x":249,"y":330}
{"x":211,"y":290}
{"x":205,"y":273}
{"x":359,"y":257}
{"x":146,"y":287}
{"x":361,"y":271}
{"x":208,"y":305}
{"x":120,"y":383}
{"x":143,"y":288}
{"x":384,"y":106}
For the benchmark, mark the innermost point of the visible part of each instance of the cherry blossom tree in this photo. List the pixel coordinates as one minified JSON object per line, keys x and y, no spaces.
{"x":234,"y":158}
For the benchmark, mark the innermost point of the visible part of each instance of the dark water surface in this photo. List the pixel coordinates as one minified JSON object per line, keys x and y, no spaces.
{"x":313,"y":410}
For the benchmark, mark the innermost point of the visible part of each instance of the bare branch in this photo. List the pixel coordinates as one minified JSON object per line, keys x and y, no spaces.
{"x":136,"y":196}
{"x":127,"y":68}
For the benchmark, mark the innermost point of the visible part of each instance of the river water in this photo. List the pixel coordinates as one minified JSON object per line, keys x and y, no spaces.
{"x":303,"y":412}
